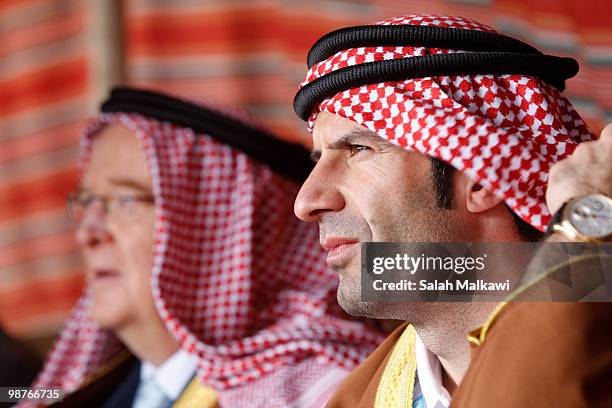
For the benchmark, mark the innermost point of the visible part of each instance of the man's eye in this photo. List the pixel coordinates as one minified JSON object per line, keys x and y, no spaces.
{"x":354,"y":149}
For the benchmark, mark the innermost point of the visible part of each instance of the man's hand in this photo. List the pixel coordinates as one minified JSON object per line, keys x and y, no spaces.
{"x":587,"y":171}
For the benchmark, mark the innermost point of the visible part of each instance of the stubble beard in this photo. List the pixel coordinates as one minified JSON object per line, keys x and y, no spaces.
{"x":420,"y":222}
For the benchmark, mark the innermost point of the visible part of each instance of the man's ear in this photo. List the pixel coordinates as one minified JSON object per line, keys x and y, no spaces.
{"x":478,"y":198}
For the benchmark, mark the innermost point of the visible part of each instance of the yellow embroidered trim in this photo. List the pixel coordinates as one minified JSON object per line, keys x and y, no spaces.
{"x":197,"y":395}
{"x":396,"y":386}
{"x":478,"y":336}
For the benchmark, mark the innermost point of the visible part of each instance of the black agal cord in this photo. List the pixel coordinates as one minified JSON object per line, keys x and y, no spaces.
{"x":487,"y":53}
{"x":289,"y":159}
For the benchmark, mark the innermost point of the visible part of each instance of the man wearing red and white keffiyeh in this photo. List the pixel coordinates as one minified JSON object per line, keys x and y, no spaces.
{"x":196,"y":263}
{"x":427,"y":129}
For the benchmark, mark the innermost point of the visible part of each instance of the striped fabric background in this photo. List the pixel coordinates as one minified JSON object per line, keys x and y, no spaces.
{"x":58,"y":58}
{"x":44,"y":81}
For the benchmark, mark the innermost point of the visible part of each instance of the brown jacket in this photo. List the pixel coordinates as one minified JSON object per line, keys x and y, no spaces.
{"x":360,"y":388}
{"x":542,"y":355}
{"x":546,"y":354}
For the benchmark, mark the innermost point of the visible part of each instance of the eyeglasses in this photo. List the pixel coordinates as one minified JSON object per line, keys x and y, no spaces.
{"x":123,"y":206}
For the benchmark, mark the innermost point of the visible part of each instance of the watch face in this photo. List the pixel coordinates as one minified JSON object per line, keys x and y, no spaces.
{"x":592,"y":215}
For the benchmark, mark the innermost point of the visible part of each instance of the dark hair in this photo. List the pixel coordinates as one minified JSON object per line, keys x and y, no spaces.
{"x":442,"y":175}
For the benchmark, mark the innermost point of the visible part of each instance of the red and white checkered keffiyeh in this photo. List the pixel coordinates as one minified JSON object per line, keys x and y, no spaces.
{"x":237,"y":279}
{"x":505,"y":131}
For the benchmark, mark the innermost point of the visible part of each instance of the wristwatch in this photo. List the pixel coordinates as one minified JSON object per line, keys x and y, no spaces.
{"x":585,"y":219}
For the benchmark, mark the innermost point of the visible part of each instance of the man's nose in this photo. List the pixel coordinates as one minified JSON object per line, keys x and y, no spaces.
{"x":92,"y":229}
{"x":319,"y":195}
